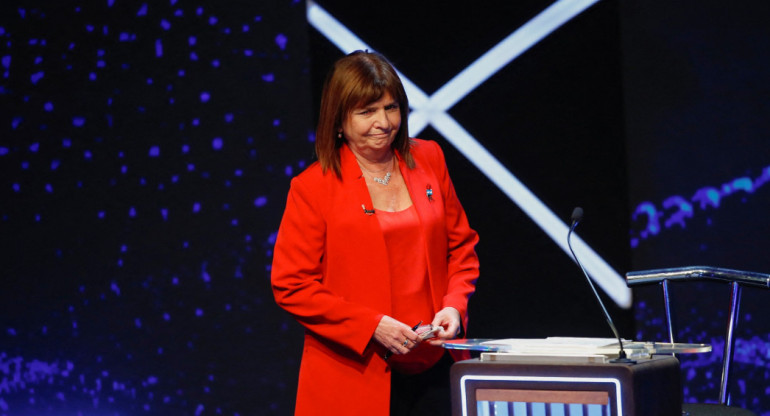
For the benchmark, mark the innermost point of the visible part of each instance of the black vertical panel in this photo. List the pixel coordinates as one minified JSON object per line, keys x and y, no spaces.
{"x":697,"y":116}
{"x":553,"y":117}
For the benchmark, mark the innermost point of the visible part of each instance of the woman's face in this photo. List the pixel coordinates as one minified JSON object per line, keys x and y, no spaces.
{"x":371,"y":129}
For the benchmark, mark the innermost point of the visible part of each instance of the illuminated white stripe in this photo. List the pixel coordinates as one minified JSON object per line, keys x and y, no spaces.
{"x":432,"y":110}
{"x":484,"y":377}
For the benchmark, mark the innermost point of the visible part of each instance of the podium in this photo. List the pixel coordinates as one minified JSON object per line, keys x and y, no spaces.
{"x":649,"y":387}
{"x":508,"y":380}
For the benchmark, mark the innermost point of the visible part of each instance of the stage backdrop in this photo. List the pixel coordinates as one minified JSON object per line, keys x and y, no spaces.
{"x":146,"y":151}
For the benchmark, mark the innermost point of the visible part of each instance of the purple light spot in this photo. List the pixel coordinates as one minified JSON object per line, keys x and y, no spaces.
{"x":11,"y":332}
{"x":132,"y":212}
{"x":260,"y":201}
{"x":199,"y":11}
{"x":78,"y":121}
{"x":110,"y":3}
{"x":87,"y":155}
{"x":245,"y":28}
{"x":195,"y":122}
{"x":34,"y":147}
{"x":114,"y":287}
{"x":205,"y":97}
{"x":100,"y":215}
{"x":158,"y":48}
{"x":196,"y":207}
{"x":100,"y":64}
{"x":288,"y":170}
{"x":268,"y":77}
{"x":154,"y":151}
{"x":55,"y":164}
{"x":198,"y":312}
{"x":190,"y":167}
{"x":25,"y":165}
{"x":192,"y":40}
{"x":3,"y":151}
{"x":16,"y":121}
{"x":215,"y":63}
{"x":175,"y":179}
{"x":16,"y":187}
{"x":166,"y":316}
{"x":164,"y":213}
{"x":234,"y":222}
{"x":248,"y":52}
{"x":124,"y":37}
{"x":6,"y":61}
{"x":281,"y":40}
{"x":213,"y":20}
{"x":48,"y":106}
{"x":123,"y":169}
{"x":49,"y":188}
{"x":92,"y":76}
{"x":142,"y":10}
{"x":36,"y":77}
{"x":238,"y":173}
{"x":66,"y":143}
{"x":276,"y":122}
{"x":137,"y":322}
{"x":272,"y":237}
{"x":165,"y":24}
{"x":229,"y":118}
{"x":217,"y":143}
{"x":185,"y":148}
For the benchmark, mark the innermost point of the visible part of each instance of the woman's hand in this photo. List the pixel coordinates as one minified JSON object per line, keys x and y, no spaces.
{"x":395,"y":336}
{"x":449,"y":320}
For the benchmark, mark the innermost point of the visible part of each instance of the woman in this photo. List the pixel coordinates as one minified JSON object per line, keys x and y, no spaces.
{"x":373,"y":241}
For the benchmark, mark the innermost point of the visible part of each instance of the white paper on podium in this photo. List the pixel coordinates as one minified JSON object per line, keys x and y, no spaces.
{"x":557,"y":346}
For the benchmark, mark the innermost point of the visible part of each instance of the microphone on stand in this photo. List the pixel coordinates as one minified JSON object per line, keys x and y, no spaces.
{"x":577,"y":216}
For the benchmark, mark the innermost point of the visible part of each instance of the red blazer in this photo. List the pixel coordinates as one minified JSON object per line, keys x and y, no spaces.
{"x":330,"y":272}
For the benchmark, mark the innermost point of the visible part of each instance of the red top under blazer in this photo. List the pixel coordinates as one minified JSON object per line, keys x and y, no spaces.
{"x":330,"y":272}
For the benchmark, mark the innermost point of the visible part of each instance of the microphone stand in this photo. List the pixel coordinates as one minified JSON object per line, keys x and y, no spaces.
{"x":577,"y":215}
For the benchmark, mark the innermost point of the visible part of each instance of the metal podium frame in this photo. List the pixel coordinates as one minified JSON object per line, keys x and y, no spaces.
{"x":737,"y":280}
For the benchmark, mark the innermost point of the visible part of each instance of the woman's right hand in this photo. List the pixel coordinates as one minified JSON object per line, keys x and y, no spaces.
{"x":395,"y":336}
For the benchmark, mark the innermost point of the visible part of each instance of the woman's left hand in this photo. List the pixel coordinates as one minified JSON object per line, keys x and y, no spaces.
{"x":449,"y":320}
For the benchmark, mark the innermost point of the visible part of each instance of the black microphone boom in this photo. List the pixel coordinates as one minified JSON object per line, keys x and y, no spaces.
{"x":577,"y":216}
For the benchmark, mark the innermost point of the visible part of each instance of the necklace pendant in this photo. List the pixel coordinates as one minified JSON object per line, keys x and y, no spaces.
{"x":383,"y":181}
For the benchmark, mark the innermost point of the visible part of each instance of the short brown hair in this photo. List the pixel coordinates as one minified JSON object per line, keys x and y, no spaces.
{"x":355,"y":80}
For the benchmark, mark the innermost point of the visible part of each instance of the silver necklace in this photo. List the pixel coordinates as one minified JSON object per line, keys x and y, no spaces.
{"x":383,"y":181}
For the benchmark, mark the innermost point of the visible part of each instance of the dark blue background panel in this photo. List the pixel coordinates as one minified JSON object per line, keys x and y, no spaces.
{"x":146,"y":150}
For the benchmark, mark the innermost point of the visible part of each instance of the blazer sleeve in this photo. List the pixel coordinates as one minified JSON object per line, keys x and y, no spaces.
{"x":297,"y":273}
{"x":463,"y":263}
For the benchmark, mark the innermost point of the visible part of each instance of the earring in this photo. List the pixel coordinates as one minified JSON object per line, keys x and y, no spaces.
{"x":339,"y":134}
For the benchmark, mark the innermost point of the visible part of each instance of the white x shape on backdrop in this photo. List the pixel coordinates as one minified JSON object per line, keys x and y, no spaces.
{"x":432,"y":110}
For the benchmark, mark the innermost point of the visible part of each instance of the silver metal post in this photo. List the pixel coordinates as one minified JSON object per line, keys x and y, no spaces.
{"x":735,"y":300}
{"x":667,"y":304}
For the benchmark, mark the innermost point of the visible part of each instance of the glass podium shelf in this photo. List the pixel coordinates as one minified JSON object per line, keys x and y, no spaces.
{"x":554,"y":347}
